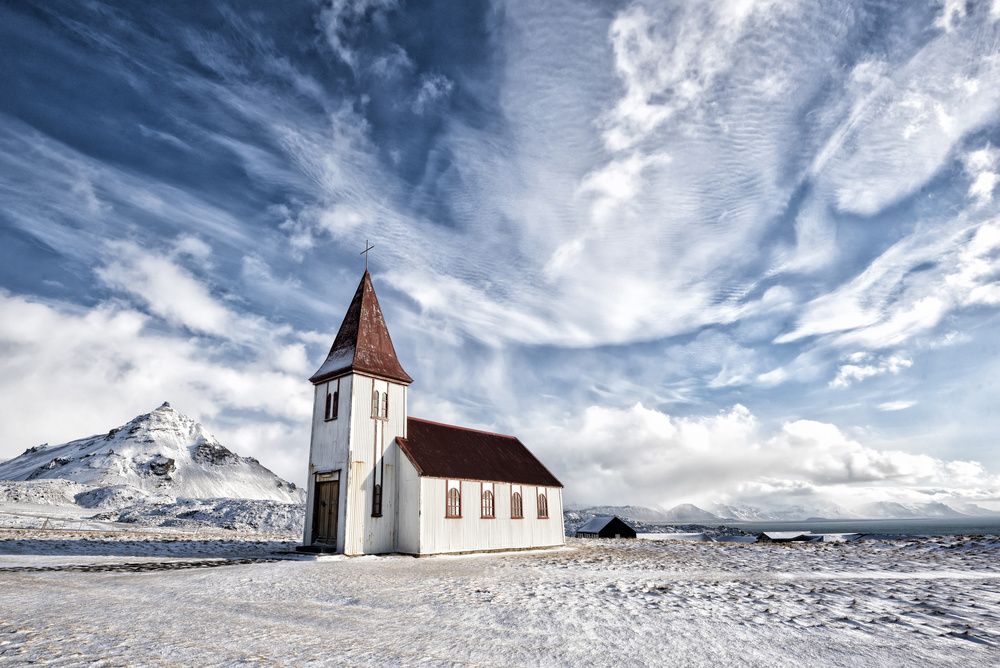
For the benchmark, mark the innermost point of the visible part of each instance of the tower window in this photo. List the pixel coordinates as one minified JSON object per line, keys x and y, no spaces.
{"x":488,"y":506}
{"x":543,"y":506}
{"x":377,"y":501}
{"x":385,"y":405}
{"x":375,"y":404}
{"x":331,"y":405}
{"x":454,"y":503}
{"x":516,"y":507}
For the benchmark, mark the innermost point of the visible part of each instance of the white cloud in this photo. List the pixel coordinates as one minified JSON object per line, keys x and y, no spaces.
{"x":905,"y":123}
{"x":342,"y":219}
{"x":617,"y":184}
{"x":952,"y":13}
{"x":668,"y":63}
{"x":807,"y":367}
{"x":395,"y":62}
{"x":908,"y":290}
{"x":194,"y":248}
{"x":641,"y":455}
{"x":433,"y":89}
{"x":349,"y":186}
{"x":981,"y":167}
{"x":167,"y":290}
{"x":815,"y":240}
{"x":83,"y":187}
{"x":340,"y":18}
{"x":890,"y":406}
{"x":864,"y":365}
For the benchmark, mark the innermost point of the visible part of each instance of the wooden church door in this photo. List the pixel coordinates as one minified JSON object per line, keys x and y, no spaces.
{"x":327,"y":499}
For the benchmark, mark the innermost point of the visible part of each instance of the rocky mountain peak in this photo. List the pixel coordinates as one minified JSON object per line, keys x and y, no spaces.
{"x":160,"y":452}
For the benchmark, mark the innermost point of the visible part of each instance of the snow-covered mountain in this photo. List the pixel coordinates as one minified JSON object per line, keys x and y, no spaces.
{"x":162,"y":453}
{"x":688,"y":512}
{"x":891,"y":510}
{"x":683,"y":513}
{"x":741,"y":512}
{"x":885,"y":510}
{"x":826,"y":511}
{"x":641,"y":513}
{"x":973,"y":510}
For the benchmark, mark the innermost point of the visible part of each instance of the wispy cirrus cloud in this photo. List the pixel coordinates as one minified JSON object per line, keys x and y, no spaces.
{"x":908,"y":290}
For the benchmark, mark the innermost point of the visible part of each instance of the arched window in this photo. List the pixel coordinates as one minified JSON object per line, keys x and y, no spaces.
{"x":454,"y":503}
{"x":377,"y":501}
{"x":543,"y":506}
{"x":375,"y":404}
{"x":488,"y":509}
{"x":516,"y":508}
{"x":385,"y":405}
{"x":331,"y":405}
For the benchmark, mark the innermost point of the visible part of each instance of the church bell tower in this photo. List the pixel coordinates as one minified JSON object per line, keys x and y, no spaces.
{"x":359,"y":409}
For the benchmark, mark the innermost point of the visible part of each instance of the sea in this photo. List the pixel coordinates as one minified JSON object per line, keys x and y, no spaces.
{"x":929,"y":526}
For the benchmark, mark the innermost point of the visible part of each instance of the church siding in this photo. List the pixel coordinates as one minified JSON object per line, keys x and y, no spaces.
{"x":407,"y":506}
{"x":471,"y":532}
{"x":374,"y":457}
{"x":328,"y":449}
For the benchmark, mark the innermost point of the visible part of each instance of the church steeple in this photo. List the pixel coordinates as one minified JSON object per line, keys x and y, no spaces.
{"x":363,"y":342}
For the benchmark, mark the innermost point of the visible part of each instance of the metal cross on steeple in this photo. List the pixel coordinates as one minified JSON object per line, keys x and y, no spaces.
{"x":365,"y":253}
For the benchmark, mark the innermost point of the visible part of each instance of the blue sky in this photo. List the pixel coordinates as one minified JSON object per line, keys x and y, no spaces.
{"x":687,"y":251}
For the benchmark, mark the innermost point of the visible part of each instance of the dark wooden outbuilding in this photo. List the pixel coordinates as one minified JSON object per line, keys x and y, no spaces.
{"x":605,"y":527}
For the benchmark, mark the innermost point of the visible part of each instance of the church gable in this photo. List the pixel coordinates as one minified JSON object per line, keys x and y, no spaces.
{"x":444,"y":451}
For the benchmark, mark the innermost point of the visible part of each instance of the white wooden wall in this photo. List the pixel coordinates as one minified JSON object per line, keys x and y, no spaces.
{"x":407,"y":506}
{"x":329,"y":448}
{"x":371,"y":440}
{"x":471,"y":532}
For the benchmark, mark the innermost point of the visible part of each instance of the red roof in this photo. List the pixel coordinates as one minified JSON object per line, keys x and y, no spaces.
{"x":443,"y":451}
{"x":363,"y":342}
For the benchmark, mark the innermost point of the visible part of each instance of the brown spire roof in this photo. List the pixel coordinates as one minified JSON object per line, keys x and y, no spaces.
{"x":363,"y":342}
{"x":443,"y":451}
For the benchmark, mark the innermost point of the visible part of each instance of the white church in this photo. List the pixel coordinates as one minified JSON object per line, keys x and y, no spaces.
{"x":381,"y":481}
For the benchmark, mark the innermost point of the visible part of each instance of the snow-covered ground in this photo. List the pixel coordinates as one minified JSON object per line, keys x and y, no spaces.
{"x":181,"y":514}
{"x":152,"y":599}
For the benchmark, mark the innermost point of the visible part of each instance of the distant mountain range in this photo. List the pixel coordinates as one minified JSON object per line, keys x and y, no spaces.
{"x":160,"y":454}
{"x":687,"y":513}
